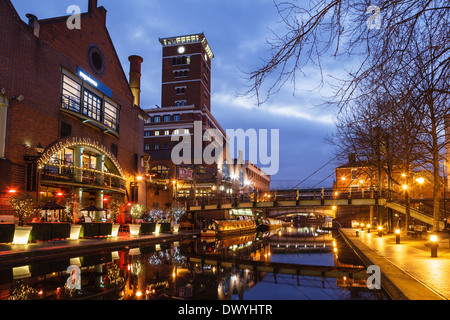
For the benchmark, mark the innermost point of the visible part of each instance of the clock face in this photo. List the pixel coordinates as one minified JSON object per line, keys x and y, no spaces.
{"x":181,"y":50}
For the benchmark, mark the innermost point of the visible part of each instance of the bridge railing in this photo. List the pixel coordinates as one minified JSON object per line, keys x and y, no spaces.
{"x":287,"y":195}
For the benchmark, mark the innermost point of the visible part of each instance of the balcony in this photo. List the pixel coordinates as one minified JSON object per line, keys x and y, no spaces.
{"x":69,"y":175}
{"x":106,"y":123}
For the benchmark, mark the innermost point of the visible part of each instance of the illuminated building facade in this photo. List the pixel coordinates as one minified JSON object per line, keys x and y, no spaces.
{"x":71,"y":125}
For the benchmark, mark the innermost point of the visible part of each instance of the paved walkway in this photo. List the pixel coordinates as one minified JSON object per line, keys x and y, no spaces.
{"x":408,"y":271}
{"x":13,"y":254}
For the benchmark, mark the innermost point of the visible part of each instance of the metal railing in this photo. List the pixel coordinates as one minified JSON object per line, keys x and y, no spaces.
{"x":61,"y":172}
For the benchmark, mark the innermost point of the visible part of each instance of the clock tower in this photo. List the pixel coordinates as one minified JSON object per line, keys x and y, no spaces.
{"x":186,"y":72}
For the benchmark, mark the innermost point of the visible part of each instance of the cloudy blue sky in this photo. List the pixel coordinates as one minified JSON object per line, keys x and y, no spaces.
{"x":236,"y":32}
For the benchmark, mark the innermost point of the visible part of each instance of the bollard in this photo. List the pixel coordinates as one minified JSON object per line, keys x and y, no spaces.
{"x":380,"y":231}
{"x":433,"y":245}
{"x":357,"y":233}
{"x":397,"y":236}
{"x":368,"y":228}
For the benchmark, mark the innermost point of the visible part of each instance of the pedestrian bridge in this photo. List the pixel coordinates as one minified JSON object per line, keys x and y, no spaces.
{"x":324,"y":202}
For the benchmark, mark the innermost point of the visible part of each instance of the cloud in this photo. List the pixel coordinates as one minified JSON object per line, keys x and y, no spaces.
{"x":274,"y":108}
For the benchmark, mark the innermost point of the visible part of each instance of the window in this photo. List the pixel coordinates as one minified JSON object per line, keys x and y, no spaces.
{"x":166,"y":145}
{"x":71,"y":93}
{"x":162,"y":171}
{"x":156,"y":133}
{"x":157,"y":119}
{"x":181,"y":90}
{"x":354,"y":174}
{"x":176,"y":117}
{"x":78,"y":98}
{"x":181,"y":60}
{"x":147,"y":147}
{"x":166,"y":132}
{"x":166,"y":118}
{"x":149,"y":120}
{"x":186,"y":131}
{"x":157,"y":146}
{"x":111,"y":116}
{"x":147,"y":134}
{"x":92,"y":105}
{"x":180,"y":103}
{"x":176,"y":132}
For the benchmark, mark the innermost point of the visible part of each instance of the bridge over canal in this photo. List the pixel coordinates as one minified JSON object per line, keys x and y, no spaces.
{"x":324,"y":202}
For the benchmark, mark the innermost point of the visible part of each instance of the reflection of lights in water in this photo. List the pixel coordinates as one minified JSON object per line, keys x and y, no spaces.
{"x":136,"y":268}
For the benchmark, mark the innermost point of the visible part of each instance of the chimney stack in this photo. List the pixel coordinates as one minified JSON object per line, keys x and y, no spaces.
{"x":93,"y":4}
{"x":135,"y":78}
{"x":33,"y":23}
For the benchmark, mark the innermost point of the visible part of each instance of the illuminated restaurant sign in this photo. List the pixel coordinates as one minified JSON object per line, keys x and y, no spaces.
{"x":94,"y":82}
{"x":69,"y":142}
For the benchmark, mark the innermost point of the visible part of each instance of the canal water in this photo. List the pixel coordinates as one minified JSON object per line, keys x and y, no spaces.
{"x":195,"y":269}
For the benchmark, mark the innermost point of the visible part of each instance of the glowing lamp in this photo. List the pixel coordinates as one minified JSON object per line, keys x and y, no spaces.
{"x":75,"y":231}
{"x":157,"y":229}
{"x":22,"y":235}
{"x":433,"y":238}
{"x":420,"y":180}
{"x":397,"y":231}
{"x":115,"y":230}
{"x":405,"y":187}
{"x":12,"y":191}
{"x":380,"y":228}
{"x":139,"y":178}
{"x":135,"y":229}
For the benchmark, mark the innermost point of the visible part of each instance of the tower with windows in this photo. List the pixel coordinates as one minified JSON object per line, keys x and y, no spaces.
{"x":186,"y":72}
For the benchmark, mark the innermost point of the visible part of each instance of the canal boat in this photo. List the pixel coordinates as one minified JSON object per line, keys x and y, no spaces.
{"x":220,"y":228}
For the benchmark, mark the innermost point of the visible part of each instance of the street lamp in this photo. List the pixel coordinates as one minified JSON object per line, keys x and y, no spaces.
{"x":380,"y":231}
{"x":397,"y":236}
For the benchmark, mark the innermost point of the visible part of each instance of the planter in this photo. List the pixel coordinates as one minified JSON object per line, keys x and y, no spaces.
{"x":22,"y":235}
{"x":115,"y":230}
{"x":75,"y":230}
{"x":157,"y":228}
{"x":135,"y":229}
{"x":176,"y":228}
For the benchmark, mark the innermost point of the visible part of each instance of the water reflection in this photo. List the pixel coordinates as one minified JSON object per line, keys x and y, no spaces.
{"x":195,"y":269}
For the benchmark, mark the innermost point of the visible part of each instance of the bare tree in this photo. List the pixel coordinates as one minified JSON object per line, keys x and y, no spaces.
{"x":319,"y":30}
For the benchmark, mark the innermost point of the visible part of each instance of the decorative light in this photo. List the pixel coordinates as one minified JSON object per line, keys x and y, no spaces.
{"x":405,"y":187}
{"x":12,"y":191}
{"x":139,"y":178}
{"x":420,"y":180}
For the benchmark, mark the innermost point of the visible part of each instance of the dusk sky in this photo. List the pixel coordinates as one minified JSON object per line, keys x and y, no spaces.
{"x":236,"y":32}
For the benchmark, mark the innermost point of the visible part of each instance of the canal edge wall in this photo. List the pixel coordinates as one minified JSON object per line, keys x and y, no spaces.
{"x":397,"y":283}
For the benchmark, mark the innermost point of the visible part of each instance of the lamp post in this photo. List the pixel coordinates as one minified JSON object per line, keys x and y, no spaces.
{"x":433,"y":245}
{"x":380,"y":231}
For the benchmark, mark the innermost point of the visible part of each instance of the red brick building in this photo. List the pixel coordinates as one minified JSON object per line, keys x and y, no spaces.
{"x":70,"y":123}
{"x":185,"y":114}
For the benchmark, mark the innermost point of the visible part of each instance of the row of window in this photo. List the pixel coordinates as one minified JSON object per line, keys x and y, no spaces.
{"x":78,"y":98}
{"x":176,"y":132}
{"x":181,"y":60}
{"x":157,"y":146}
{"x":166,"y":118}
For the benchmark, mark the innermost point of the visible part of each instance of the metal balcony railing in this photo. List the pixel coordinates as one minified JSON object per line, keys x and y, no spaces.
{"x":60,"y":172}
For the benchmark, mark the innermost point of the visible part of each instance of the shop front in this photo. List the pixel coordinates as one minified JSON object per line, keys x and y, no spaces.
{"x":81,"y":174}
